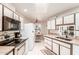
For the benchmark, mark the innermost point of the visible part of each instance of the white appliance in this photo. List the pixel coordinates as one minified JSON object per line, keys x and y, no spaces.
{"x":29,"y":32}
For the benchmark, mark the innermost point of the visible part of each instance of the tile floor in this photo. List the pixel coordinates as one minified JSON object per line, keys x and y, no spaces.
{"x":36,"y":50}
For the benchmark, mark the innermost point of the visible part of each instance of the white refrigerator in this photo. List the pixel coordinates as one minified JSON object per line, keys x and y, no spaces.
{"x":29,"y":32}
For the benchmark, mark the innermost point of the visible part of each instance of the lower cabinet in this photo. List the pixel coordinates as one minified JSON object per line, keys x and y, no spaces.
{"x":58,"y":47}
{"x":75,"y":49}
{"x":48,"y":46}
{"x":21,"y":50}
{"x":55,"y":48}
{"x":64,"y":50}
{"x":11,"y":53}
{"x":48,"y":43}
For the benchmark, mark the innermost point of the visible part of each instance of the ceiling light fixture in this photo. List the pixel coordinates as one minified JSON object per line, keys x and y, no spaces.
{"x":25,"y":10}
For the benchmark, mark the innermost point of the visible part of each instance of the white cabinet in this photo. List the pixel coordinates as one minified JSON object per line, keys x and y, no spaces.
{"x":77,"y":21}
{"x":21,"y":50}
{"x":48,"y":43}
{"x":51,"y":24}
{"x":48,"y":46}
{"x":64,"y":50}
{"x":58,"y":47}
{"x":55,"y":48}
{"x":48,"y":25}
{"x":22,"y":24}
{"x":59,"y":21}
{"x":69,"y":19}
{"x":11,"y":53}
{"x":75,"y":50}
{"x":0,"y":17}
{"x":8,"y":12}
{"x":16,"y":17}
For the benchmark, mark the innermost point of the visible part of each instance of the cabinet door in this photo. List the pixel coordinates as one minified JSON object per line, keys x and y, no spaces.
{"x":75,"y":49}
{"x":8,"y":12}
{"x":52,"y":24}
{"x":48,"y":43}
{"x":0,"y":17}
{"x":22,"y":24}
{"x":77,"y":21}
{"x":69,"y":19}
{"x":64,"y":51}
{"x":55,"y":48}
{"x":48,"y":25}
{"x":21,"y":50}
{"x":48,"y":46}
{"x":11,"y":53}
{"x":59,"y":21}
{"x":16,"y":17}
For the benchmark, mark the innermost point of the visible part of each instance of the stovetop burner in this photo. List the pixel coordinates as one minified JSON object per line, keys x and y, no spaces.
{"x":13,"y":43}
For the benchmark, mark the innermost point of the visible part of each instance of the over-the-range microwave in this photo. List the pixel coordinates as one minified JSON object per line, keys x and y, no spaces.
{"x":10,"y":24}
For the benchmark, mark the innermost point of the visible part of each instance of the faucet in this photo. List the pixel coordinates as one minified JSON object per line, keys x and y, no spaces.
{"x":66,"y":36}
{"x":66,"y":33}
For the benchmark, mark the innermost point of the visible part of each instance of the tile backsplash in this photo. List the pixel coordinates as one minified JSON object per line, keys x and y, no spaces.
{"x":10,"y":33}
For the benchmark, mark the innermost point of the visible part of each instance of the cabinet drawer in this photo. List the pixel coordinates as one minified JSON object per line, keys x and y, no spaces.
{"x":48,"y":38}
{"x":62,"y":43}
{"x":48,"y":42}
{"x":48,"y":46}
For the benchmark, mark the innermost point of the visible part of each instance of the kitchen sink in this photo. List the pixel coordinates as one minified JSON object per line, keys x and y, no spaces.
{"x":67,"y":39}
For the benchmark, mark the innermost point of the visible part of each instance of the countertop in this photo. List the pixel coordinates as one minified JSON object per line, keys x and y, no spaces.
{"x":5,"y":49}
{"x":17,"y":44}
{"x":74,"y":40}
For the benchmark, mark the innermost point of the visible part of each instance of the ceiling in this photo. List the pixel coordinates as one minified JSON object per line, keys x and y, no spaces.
{"x":42,"y":11}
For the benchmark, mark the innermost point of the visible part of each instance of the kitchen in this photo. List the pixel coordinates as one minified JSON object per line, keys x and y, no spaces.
{"x":32,"y":29}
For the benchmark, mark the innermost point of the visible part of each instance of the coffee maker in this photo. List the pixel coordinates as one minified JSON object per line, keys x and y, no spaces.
{"x":17,"y":37}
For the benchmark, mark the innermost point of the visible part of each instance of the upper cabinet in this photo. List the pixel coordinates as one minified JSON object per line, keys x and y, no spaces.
{"x":59,"y":21}
{"x":48,"y":24}
{"x":16,"y":17}
{"x":21,"y":20}
{"x":0,"y":17}
{"x":51,"y":24}
{"x":77,"y":21}
{"x":8,"y":12}
{"x":69,"y":19}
